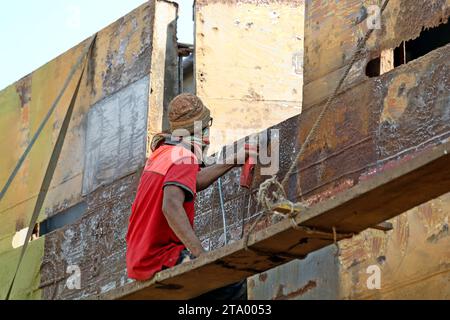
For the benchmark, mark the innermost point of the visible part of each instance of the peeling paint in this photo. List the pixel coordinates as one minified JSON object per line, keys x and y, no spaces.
{"x":23,"y":88}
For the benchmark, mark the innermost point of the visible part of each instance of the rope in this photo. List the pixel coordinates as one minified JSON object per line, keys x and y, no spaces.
{"x":213,"y":209}
{"x":280,"y":194}
{"x":263,"y":193}
{"x":250,"y":194}
{"x":222,"y":208}
{"x":266,"y":202}
{"x":336,"y":243}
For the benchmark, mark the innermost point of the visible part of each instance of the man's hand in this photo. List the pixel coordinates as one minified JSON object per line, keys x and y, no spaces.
{"x":176,"y":216}
{"x":188,"y":257}
{"x":209,"y":175}
{"x":248,"y":152}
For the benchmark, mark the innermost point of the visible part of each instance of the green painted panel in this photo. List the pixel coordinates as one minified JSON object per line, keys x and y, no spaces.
{"x":28,"y":279}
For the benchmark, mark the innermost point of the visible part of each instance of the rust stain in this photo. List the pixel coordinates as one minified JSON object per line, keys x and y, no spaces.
{"x":416,"y":251}
{"x":20,"y":224}
{"x":371,"y":245}
{"x":389,"y":165}
{"x":409,"y":26}
{"x":263,"y":277}
{"x":434,"y":219}
{"x":440,"y":235}
{"x":347,"y":184}
{"x":330,"y":40}
{"x":352,"y":252}
{"x":426,"y":211}
{"x":23,"y":88}
{"x":401,"y":233}
{"x":294,"y":294}
{"x":253,"y":95}
{"x":422,"y":122}
{"x":376,"y":244}
{"x":251,"y":284}
{"x":396,"y":100}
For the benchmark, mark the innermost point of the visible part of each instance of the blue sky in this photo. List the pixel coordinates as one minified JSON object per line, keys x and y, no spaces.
{"x":33,"y":32}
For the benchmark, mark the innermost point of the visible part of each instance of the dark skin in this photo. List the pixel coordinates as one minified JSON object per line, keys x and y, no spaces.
{"x":174,"y":198}
{"x":173,"y":210}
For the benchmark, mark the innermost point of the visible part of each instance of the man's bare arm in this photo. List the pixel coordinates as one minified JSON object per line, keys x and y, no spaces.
{"x":176,"y":216}
{"x":209,"y":175}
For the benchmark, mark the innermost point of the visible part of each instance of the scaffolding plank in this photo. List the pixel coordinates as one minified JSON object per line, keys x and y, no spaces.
{"x":381,"y":197}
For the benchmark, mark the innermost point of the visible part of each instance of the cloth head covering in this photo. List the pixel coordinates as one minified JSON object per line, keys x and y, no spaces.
{"x":187,"y":109}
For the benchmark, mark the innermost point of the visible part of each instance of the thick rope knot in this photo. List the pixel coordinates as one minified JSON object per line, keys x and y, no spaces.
{"x":266,"y":199}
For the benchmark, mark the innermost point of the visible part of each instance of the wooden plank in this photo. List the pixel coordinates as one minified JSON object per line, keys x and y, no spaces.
{"x":386,"y":61}
{"x":383,"y":196}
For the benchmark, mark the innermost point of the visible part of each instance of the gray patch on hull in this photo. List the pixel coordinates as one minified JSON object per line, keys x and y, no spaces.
{"x":315,"y":278}
{"x":116,"y":136}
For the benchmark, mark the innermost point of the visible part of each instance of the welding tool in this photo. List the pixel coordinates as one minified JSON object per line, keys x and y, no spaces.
{"x":248,"y":169}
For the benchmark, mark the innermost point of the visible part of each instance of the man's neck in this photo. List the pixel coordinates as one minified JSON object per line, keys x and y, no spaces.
{"x":188,"y":146}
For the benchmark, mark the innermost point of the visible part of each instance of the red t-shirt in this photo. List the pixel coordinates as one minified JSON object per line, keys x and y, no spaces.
{"x":151,"y":243}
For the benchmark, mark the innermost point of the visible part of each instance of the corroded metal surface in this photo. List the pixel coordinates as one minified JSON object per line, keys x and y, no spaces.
{"x":413,"y":260}
{"x":414,"y":263}
{"x":95,"y":244}
{"x":370,"y":126}
{"x":352,"y":144}
{"x":333,"y":28}
{"x":350,"y":147}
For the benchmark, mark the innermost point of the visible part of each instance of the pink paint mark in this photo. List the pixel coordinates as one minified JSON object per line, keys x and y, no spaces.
{"x":343,"y":186}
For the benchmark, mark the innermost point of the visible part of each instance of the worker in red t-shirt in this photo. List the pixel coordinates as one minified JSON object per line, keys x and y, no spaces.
{"x":160,"y":233}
